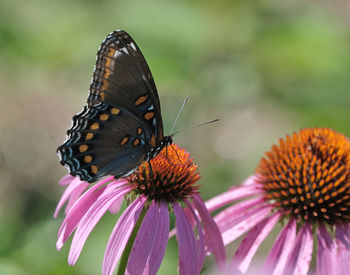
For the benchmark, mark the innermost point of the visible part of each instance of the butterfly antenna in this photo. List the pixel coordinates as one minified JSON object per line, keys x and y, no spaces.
{"x":195,"y":126}
{"x":178,"y":115}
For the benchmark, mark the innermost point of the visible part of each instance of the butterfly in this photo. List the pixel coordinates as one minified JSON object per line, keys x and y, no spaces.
{"x":121,"y":126}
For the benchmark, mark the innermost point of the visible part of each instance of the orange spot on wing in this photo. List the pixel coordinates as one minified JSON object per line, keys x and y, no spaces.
{"x":140,"y":100}
{"x":149,"y":115}
{"x":88,"y":158}
{"x":83,"y":148}
{"x":102,"y":96}
{"x":115,"y":111}
{"x":124,"y":140}
{"x":139,"y":131}
{"x":89,"y":136}
{"x":152,"y":141}
{"x":94,"y":126}
{"x":104,"y":117}
{"x":94,"y":169}
{"x":136,"y":142}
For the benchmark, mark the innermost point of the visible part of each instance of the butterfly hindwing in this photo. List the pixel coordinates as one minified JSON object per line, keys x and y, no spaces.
{"x":101,"y":141}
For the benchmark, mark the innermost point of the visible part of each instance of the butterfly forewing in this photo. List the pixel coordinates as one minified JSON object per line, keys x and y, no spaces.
{"x":121,"y":126}
{"x":122,"y":78}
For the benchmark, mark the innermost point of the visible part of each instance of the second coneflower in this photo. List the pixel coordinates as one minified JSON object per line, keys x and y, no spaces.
{"x":139,"y":239}
{"x":304,"y":182}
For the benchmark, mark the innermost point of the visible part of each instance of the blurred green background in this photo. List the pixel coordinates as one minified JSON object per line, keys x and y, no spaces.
{"x":265,"y":68}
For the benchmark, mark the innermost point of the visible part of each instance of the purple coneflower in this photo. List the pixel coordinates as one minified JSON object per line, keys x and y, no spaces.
{"x":304,"y":182}
{"x":139,"y":239}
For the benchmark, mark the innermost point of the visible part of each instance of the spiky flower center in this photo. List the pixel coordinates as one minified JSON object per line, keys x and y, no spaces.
{"x":171,"y":177}
{"x":308,"y":175}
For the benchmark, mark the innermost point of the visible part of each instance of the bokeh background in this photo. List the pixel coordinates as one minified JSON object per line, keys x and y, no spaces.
{"x":266,"y":68}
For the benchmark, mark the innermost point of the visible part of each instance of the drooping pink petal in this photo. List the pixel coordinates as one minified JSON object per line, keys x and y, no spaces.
{"x":160,"y":243}
{"x":78,"y":210}
{"x":299,"y":261}
{"x":200,"y":241}
{"x":343,"y":234}
{"x":121,"y":234}
{"x":186,"y":243}
{"x":240,"y":226}
{"x":252,"y":241}
{"x":326,"y":262}
{"x":67,"y":179}
{"x":212,"y":234}
{"x":190,"y":218}
{"x":75,"y":185}
{"x":115,"y":207}
{"x":75,"y":195}
{"x":144,"y":242}
{"x":75,"y":214}
{"x":281,"y":250}
{"x":235,"y":193}
{"x":342,"y":259}
{"x":91,"y":218}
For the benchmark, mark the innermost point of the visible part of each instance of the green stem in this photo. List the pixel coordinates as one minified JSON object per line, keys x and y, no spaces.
{"x":126,"y":253}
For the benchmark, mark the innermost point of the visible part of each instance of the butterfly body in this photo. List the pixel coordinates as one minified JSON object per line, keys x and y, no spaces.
{"x":121,"y":126}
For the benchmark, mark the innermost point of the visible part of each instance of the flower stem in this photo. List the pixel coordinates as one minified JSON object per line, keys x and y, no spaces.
{"x":126,"y":253}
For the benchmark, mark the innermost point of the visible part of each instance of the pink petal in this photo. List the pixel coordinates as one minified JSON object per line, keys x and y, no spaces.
{"x":121,"y":234}
{"x":342,"y":259}
{"x":75,"y":214}
{"x":67,"y":179}
{"x":79,"y":209}
{"x":326,"y":253}
{"x":252,"y":241}
{"x":74,"y":197}
{"x":145,"y":240}
{"x":201,"y":241}
{"x":235,"y":193}
{"x":240,"y":226}
{"x":160,"y":243}
{"x":75,"y":186}
{"x":186,"y":243}
{"x":115,"y":207}
{"x":252,"y":180}
{"x":343,"y":234}
{"x":299,"y":262}
{"x":212,"y":234}
{"x":281,"y":250}
{"x":190,"y":218}
{"x":91,"y":218}
{"x":237,"y":212}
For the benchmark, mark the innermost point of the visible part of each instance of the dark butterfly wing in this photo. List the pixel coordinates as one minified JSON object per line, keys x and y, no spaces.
{"x":104,"y":140}
{"x":122,"y":123}
{"x":122,"y":78}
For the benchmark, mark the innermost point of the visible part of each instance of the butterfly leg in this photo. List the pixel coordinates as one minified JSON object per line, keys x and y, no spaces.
{"x":166,"y":154}
{"x":151,"y":176}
